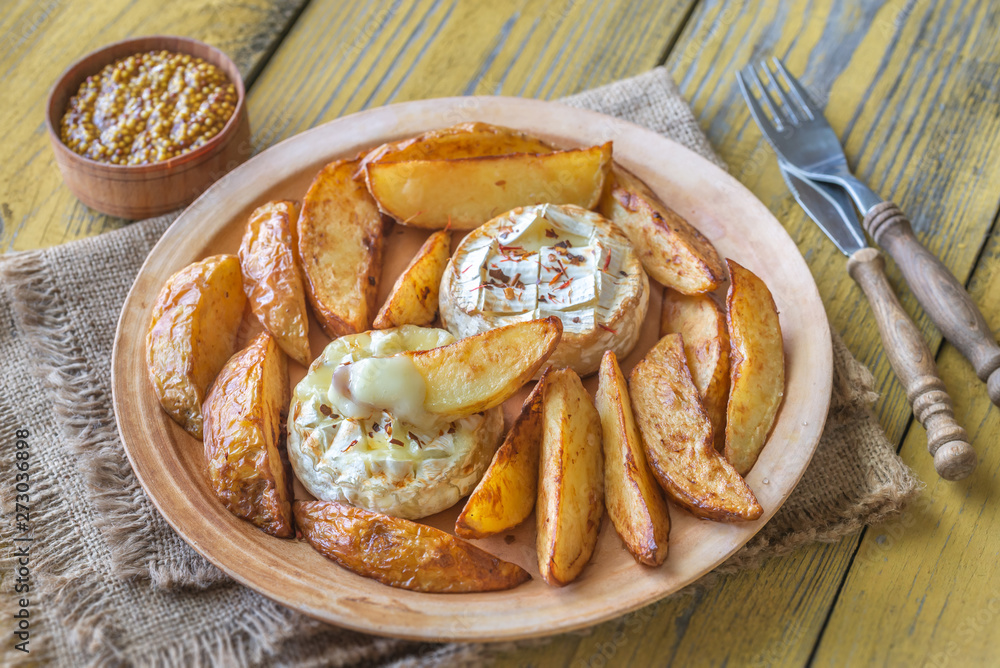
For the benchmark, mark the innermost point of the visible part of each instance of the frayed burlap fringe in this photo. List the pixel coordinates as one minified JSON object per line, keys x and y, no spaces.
{"x":129,"y":523}
{"x":38,"y":308}
{"x":43,"y":503}
{"x":83,"y":407}
{"x":77,"y":594}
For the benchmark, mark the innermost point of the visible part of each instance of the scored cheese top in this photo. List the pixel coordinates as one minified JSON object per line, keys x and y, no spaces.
{"x":390,"y":461}
{"x":544,"y":260}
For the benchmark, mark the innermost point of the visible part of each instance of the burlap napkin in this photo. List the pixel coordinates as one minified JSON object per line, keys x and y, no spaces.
{"x":118,"y":586}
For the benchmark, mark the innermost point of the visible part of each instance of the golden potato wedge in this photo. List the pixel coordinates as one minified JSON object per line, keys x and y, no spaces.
{"x":571,"y":479}
{"x":341,"y":235}
{"x":467,"y":140}
{"x":401,"y":553}
{"x":757,"y":373}
{"x":678,"y":438}
{"x":414,"y":297}
{"x":470,"y":191}
{"x":671,"y":250}
{"x":506,"y":495}
{"x":633,"y":498}
{"x":192,"y":333}
{"x":245,"y":415}
{"x":483,"y":371}
{"x":706,"y":343}
{"x":272,"y":280}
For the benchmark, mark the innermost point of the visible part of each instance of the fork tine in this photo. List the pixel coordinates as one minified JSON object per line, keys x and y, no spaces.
{"x":757,"y":111}
{"x":786,"y":105}
{"x":805,"y":101}
{"x":780,"y":120}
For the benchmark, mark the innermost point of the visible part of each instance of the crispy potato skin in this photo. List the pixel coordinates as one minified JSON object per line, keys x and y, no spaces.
{"x":341,"y":235}
{"x":632,"y":497}
{"x":571,"y":479}
{"x":192,"y":333}
{"x":414,"y":297}
{"x":482,"y":371}
{"x":757,"y":373}
{"x":672,"y":251}
{"x":272,"y":280}
{"x":466,"y":140}
{"x":506,"y":495}
{"x":678,"y":438}
{"x":701,"y":321}
{"x":245,"y":437}
{"x":467,"y":192}
{"x":401,"y":553}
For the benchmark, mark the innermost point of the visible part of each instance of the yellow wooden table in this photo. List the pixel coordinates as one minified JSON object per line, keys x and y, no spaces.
{"x":913,"y":89}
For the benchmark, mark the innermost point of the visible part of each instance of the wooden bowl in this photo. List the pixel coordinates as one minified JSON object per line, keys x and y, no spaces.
{"x":141,"y":191}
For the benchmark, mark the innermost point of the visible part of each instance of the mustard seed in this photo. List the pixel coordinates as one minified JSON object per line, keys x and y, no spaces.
{"x":124,"y":113}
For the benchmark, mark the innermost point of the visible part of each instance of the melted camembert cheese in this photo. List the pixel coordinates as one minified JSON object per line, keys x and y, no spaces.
{"x":548,"y":260}
{"x":542,"y":262}
{"x":358,"y":431}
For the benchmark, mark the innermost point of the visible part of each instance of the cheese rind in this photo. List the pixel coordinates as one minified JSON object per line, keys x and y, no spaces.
{"x":542,"y":260}
{"x":379,"y":459}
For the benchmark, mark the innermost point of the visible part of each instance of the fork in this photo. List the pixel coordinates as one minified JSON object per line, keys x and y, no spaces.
{"x":801,"y":136}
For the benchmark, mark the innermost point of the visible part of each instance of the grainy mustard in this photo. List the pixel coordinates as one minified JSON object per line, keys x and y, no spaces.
{"x":148,"y":107}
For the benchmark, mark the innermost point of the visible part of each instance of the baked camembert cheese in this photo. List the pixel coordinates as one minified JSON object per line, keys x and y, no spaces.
{"x":358,"y":433}
{"x":542,"y":260}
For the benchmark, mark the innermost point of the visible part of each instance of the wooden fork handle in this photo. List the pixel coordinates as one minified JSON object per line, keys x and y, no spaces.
{"x":914,"y":365}
{"x":939,"y":292}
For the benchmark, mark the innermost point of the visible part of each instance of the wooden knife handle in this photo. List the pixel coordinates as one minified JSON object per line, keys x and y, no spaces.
{"x":914,"y":365}
{"x":939,"y":292}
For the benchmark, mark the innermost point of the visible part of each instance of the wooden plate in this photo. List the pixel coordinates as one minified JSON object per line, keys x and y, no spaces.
{"x":169,"y":463}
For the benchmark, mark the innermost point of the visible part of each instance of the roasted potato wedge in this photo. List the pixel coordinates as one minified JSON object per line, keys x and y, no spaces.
{"x":401,"y":553}
{"x":757,"y":373}
{"x":506,"y":495}
{"x":192,"y":333}
{"x":245,"y":437}
{"x":701,"y":321}
{"x":469,"y":191}
{"x":482,"y":371}
{"x":272,"y":280}
{"x":467,"y":140}
{"x":341,"y":236}
{"x":671,"y":250}
{"x":633,"y":498}
{"x":571,"y":479}
{"x":414,"y":297}
{"x":678,"y":438}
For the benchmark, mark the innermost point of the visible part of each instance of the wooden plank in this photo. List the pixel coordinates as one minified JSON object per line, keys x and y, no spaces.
{"x":342,"y":57}
{"x":710,"y":627}
{"x":890,"y":73}
{"x":913,"y":90}
{"x":41,"y":39}
{"x":924,"y":589}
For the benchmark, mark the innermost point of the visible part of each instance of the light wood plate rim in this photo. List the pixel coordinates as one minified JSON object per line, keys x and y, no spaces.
{"x":740,"y":225}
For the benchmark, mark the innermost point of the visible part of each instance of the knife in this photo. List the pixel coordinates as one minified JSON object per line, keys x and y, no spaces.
{"x":911,"y":359}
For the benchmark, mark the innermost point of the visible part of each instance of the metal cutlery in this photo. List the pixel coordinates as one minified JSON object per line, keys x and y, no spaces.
{"x":802,"y":138}
{"x":905,"y":347}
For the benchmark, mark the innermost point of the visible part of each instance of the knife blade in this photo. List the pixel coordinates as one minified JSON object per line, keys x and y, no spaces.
{"x":830,"y":208}
{"x":833,"y":211}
